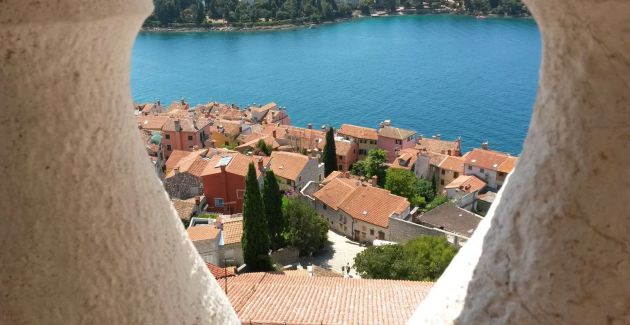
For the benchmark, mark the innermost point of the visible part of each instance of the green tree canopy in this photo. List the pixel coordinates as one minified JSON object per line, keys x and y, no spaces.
{"x":436,"y":202}
{"x":373,"y":165}
{"x":430,"y":255}
{"x":305,"y":230}
{"x":330,"y":153}
{"x":421,"y":259}
{"x":273,"y":209}
{"x":264,"y":148}
{"x":255,"y":239}
{"x":404,"y":183}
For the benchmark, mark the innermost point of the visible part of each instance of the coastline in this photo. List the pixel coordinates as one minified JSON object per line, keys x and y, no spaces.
{"x":289,"y":26}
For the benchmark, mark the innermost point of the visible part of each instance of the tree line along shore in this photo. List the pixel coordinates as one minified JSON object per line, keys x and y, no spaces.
{"x":229,"y":15}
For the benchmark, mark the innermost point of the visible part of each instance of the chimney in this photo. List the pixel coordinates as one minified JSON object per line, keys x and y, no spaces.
{"x":310,"y":126}
{"x":176,"y":170}
{"x":197,"y":200}
{"x":222,"y":168}
{"x":260,"y":164}
{"x":374,"y":180}
{"x":485,"y":145}
{"x":178,"y":126}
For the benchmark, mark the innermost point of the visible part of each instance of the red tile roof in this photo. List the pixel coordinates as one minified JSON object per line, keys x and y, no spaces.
{"x":467,"y":183}
{"x":186,"y":124}
{"x":239,"y":164}
{"x":489,"y":159}
{"x":361,"y":201}
{"x":184,"y":208}
{"x":343,"y":148}
{"x":288,"y":165}
{"x":221,"y":272}
{"x":206,"y":232}
{"x":395,"y":133}
{"x":192,"y":162}
{"x":439,"y":146}
{"x":406,"y":159}
{"x":152,"y":122}
{"x":232,"y":230}
{"x":266,"y":298}
{"x":358,"y":132}
{"x":455,"y":164}
{"x":508,"y":165}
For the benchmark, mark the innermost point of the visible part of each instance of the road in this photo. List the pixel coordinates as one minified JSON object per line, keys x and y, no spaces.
{"x":339,"y":252}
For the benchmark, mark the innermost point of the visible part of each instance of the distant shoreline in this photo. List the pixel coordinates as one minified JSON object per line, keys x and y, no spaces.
{"x":284,"y":27}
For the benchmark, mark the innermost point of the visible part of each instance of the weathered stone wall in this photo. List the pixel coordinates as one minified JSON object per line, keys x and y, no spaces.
{"x":285,"y":256}
{"x":183,"y":186}
{"x":401,"y":231}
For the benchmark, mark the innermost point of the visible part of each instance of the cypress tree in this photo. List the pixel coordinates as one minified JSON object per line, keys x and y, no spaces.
{"x":330,"y":153}
{"x":273,"y":209}
{"x":255,"y":240}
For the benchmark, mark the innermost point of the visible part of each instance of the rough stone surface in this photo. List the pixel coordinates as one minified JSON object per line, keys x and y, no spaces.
{"x":556,"y":251}
{"x":88,"y":235}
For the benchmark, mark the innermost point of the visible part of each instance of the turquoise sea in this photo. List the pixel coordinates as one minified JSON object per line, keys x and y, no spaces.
{"x":448,"y":75}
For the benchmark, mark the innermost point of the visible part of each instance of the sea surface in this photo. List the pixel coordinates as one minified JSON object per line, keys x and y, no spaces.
{"x":448,"y":75}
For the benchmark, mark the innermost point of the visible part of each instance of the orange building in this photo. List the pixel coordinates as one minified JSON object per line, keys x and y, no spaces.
{"x":224,"y":180}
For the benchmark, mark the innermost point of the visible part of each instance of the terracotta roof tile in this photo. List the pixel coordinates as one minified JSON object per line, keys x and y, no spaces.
{"x":205,"y":232}
{"x":191,"y":162}
{"x":467,"y":183}
{"x":508,"y":165}
{"x":151,"y":122}
{"x":455,"y":164}
{"x":406,"y":159}
{"x":232,"y":230}
{"x":343,"y":148}
{"x":175,"y":157}
{"x":489,"y":159}
{"x":374,"y":205}
{"x":238,"y":165}
{"x":439,"y":146}
{"x":221,"y":272}
{"x":186,"y":124}
{"x":184,"y":208}
{"x":266,"y":298}
{"x":288,"y":165}
{"x":395,"y":133}
{"x":361,"y":201}
{"x":335,"y":192}
{"x":358,"y":132}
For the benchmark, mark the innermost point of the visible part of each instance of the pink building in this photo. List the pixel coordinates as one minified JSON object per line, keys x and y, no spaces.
{"x":184,"y":134}
{"x":393,"y":140}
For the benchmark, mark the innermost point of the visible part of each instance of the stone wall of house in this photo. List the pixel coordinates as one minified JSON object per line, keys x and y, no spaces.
{"x":208,"y":249}
{"x":311,"y":172}
{"x":183,"y":186}
{"x":285,"y":256}
{"x":337,"y":221}
{"x":232,"y":253}
{"x":402,"y":230}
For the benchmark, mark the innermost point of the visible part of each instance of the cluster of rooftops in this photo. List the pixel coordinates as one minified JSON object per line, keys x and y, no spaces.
{"x":202,"y":154}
